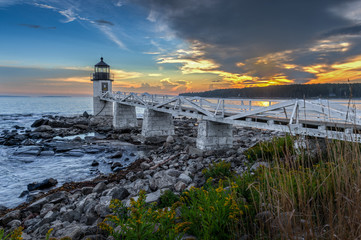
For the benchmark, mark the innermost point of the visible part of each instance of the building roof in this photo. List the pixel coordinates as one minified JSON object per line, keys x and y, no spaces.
{"x":101,"y":63}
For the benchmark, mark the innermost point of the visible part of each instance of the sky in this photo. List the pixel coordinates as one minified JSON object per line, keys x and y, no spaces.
{"x":49,"y":47}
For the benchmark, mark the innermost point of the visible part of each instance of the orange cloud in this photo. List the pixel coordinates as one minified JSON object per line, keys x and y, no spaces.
{"x":338,"y":72}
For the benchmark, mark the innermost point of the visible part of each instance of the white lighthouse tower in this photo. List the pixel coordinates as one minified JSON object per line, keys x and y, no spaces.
{"x":101,"y":84}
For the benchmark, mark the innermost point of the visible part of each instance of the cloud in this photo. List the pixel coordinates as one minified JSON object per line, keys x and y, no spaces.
{"x":35,"y":26}
{"x":250,"y":26}
{"x":122,"y":75}
{"x":119,"y":3}
{"x":5,"y":3}
{"x":154,"y":74}
{"x":80,"y":10}
{"x":69,"y":14}
{"x":44,"y":6}
{"x":104,"y":22}
{"x":152,"y":53}
{"x":110,"y":34}
{"x":256,"y":42}
{"x":352,"y":30}
{"x":163,"y":86}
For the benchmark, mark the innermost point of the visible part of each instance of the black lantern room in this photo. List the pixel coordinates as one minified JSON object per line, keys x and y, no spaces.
{"x":101,"y":71}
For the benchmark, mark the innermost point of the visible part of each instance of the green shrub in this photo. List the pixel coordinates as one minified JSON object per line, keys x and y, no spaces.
{"x":278,"y":148}
{"x":15,"y":235}
{"x":144,"y":222}
{"x":213,"y":213}
{"x":167,"y":199}
{"x":220,"y":170}
{"x":119,"y":209}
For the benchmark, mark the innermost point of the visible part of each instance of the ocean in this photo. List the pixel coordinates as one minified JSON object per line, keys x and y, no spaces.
{"x":16,"y":172}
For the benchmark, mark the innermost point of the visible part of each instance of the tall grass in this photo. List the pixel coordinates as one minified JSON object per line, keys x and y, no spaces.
{"x":314,"y":198}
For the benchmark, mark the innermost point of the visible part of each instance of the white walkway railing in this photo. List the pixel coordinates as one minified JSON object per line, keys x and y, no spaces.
{"x":321,"y":118}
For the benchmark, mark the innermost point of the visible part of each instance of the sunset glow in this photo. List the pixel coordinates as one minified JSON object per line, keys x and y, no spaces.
{"x":51,"y":46}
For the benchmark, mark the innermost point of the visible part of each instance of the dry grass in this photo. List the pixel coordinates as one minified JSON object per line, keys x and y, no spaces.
{"x":316,"y":197}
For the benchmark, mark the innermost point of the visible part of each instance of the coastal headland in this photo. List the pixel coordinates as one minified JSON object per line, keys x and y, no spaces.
{"x":76,"y":208}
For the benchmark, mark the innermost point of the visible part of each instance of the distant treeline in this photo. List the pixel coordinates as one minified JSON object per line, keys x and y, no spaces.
{"x":328,"y":90}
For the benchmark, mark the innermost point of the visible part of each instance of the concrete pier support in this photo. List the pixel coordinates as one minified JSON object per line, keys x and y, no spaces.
{"x":124,"y":116}
{"x":157,"y":124}
{"x":102,"y":108}
{"x":214,"y":135}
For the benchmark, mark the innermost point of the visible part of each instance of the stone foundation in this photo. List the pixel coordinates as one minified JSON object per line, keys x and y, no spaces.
{"x":157,"y":124}
{"x":214,"y":135}
{"x":124,"y":116}
{"x":102,"y":108}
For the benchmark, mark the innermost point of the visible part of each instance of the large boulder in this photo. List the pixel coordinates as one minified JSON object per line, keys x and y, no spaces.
{"x":47,"y":183}
{"x":162,"y":180}
{"x":150,"y":198}
{"x":14,"y":215}
{"x":118,"y":193}
{"x":36,"y":206}
{"x":185,"y":178}
{"x":39,"y":122}
{"x":135,"y":187}
{"x":44,"y":128}
{"x":28,"y":151}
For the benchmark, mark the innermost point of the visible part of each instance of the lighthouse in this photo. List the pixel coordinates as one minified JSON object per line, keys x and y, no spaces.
{"x":101,"y":84}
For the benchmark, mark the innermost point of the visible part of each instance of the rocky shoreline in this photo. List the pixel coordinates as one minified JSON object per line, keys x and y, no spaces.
{"x":75,"y":209}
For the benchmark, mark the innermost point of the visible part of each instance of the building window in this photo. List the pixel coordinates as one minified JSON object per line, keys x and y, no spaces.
{"x":104,"y":87}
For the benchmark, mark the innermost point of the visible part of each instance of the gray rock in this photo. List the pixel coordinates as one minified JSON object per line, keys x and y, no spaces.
{"x":81,"y":126}
{"x":3,"y":208}
{"x":195,"y":152}
{"x":43,"y":229}
{"x":180,"y":186}
{"x":75,"y":231}
{"x":118,"y":193}
{"x":85,"y":114}
{"x":170,"y":139}
{"x":100,"y":187}
{"x":74,"y":153}
{"x":185,"y":178}
{"x":47,"y":183}
{"x":58,"y":197}
{"x":81,"y":205}
{"x":131,"y":176}
{"x":259,"y":164}
{"x":28,"y":151}
{"x":151,"y":197}
{"x":184,"y":157}
{"x":49,"y":217}
{"x":39,"y":122}
{"x":136,"y":186}
{"x":46,"y":208}
{"x":116,"y":165}
{"x":14,"y":224}
{"x":47,"y":153}
{"x":70,"y":216}
{"x":162,"y":180}
{"x":14,"y":215}
{"x":31,"y":222}
{"x":28,"y":142}
{"x":118,"y":154}
{"x":144,"y":166}
{"x":173,"y":172}
{"x":87,"y":190}
{"x":95,"y":163}
{"x":102,"y":209}
{"x":43,"y":128}
{"x":36,"y":206}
